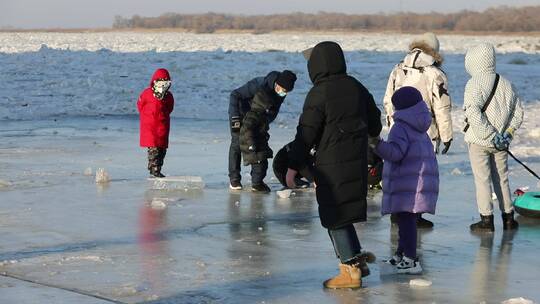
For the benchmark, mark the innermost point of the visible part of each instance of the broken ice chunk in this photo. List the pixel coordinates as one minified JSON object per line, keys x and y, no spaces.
{"x":102,"y":176}
{"x":286,"y":193}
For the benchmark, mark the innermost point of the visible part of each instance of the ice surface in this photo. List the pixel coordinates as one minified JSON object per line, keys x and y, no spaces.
{"x":88,"y":171}
{"x":65,"y":238}
{"x":128,"y":243}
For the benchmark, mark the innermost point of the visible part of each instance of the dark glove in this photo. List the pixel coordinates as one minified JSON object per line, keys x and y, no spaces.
{"x":446,"y":146}
{"x":502,"y":141}
{"x":236,"y":123}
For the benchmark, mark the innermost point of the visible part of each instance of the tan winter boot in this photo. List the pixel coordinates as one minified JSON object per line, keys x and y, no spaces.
{"x":349,"y":277}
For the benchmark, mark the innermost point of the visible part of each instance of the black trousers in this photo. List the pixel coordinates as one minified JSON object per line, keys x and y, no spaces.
{"x":258,"y":171}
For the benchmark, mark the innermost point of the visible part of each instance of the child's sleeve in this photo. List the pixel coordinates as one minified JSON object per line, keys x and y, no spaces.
{"x":396,"y":147}
{"x":517,"y":116}
{"x":140,"y":103}
{"x":250,"y":124}
{"x":170,"y":107}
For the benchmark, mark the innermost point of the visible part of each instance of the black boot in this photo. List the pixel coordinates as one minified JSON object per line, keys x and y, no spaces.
{"x":156,"y":172}
{"x":394,"y":219}
{"x":261,"y":188}
{"x":422,"y":223}
{"x":484,"y":225}
{"x":508,"y":221}
{"x":361,"y":262}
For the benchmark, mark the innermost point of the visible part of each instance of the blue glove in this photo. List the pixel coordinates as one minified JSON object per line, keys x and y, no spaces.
{"x":502,"y":141}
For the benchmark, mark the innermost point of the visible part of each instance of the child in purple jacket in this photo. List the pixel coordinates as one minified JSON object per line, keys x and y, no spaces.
{"x":410,"y":174}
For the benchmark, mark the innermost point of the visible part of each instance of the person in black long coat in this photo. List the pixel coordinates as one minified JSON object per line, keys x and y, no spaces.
{"x":339,"y":115}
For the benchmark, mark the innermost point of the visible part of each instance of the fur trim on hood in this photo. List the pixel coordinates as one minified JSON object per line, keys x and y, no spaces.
{"x":428,"y":50}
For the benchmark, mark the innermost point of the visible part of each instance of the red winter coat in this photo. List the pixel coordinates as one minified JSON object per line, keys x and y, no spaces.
{"x":155,"y":114}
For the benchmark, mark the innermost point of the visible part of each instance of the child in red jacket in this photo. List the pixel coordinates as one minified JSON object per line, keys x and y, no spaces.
{"x":155,"y":106}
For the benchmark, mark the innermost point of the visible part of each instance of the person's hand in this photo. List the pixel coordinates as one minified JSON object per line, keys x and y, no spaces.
{"x":289,"y":178}
{"x":236,"y":123}
{"x":373,"y":141}
{"x":509,"y":134}
{"x":502,"y":141}
{"x":446,"y":146}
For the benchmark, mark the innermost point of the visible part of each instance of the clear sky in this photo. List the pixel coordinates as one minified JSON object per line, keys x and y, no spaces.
{"x":100,"y":13}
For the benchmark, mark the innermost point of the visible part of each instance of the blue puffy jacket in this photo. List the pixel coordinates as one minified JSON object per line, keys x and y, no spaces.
{"x":242,"y":97}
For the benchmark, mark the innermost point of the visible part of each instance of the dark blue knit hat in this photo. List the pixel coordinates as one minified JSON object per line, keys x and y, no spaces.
{"x":286,"y":80}
{"x":406,"y":97}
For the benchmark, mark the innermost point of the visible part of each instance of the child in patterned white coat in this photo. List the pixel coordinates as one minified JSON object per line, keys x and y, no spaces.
{"x":489,"y":134}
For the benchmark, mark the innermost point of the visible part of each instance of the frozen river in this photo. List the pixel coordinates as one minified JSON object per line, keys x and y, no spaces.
{"x":123,"y":242}
{"x":69,"y":107}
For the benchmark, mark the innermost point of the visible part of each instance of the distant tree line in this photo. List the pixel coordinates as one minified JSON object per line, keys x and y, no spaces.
{"x":503,"y":19}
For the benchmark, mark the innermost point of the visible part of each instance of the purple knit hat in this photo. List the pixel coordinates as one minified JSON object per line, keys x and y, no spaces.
{"x":406,"y":97}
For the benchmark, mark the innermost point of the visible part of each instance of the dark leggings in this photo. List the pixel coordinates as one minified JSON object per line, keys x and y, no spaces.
{"x":407,"y":234}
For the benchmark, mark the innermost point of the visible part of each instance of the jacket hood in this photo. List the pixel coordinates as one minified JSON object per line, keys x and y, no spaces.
{"x":160,"y":74}
{"x":480,"y":59}
{"x":419,"y":58}
{"x":428,"y":50}
{"x":262,"y":102}
{"x":270,"y":81}
{"x":326,"y":59}
{"x":417,"y":116}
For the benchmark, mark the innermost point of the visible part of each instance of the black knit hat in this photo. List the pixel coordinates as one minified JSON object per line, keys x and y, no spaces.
{"x":406,"y":97}
{"x":286,"y":80}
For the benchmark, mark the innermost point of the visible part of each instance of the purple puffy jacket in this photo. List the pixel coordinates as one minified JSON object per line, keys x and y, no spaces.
{"x":411,"y":173}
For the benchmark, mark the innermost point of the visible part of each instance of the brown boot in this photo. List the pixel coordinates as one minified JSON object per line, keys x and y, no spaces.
{"x":349,"y":277}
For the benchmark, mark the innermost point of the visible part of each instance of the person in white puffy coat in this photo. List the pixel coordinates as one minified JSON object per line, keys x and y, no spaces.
{"x":489,"y":134}
{"x":421,"y":69}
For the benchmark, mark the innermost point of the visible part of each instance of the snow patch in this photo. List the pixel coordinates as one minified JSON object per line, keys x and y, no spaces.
{"x":519,"y":300}
{"x":126,"y":291}
{"x":88,"y":171}
{"x":420,"y":283}
{"x":4,"y":184}
{"x":457,"y":171}
{"x":158,"y":204}
{"x":107,"y":43}
{"x":301,"y":231}
{"x":8,"y":262}
{"x":90,"y":258}
{"x":186,"y":183}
